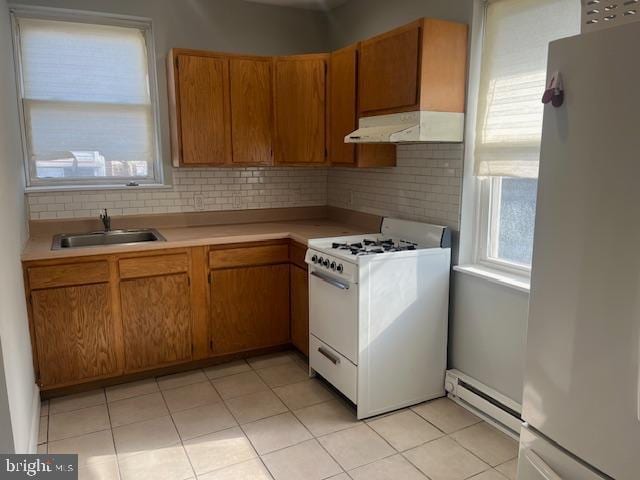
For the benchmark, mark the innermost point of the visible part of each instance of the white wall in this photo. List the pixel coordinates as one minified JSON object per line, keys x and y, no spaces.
{"x":14,"y":331}
{"x":487,"y":333}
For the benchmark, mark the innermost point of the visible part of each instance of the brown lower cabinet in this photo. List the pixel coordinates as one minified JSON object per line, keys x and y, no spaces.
{"x":74,"y":333}
{"x":93,"y":319}
{"x":300,"y":309}
{"x":249,"y":307}
{"x":157,"y":321}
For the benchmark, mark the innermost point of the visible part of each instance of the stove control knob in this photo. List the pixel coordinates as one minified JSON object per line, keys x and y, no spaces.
{"x":326,"y":262}
{"x":340,"y":268}
{"x":321,"y":261}
{"x":333,"y":265}
{"x":314,"y":259}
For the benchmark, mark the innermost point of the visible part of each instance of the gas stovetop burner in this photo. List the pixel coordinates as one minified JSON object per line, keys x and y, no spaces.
{"x":369,"y":247}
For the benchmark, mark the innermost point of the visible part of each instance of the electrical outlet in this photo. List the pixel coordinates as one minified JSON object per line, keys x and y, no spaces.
{"x":237,"y":200}
{"x":198,"y":202}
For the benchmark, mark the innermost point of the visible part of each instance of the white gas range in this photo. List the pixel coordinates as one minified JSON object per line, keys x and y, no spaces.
{"x":378,"y":314}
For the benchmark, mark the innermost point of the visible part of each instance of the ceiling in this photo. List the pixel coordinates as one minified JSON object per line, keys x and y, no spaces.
{"x":322,"y":5}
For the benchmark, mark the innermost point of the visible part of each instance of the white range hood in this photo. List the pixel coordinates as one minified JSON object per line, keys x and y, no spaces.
{"x":409,"y":127}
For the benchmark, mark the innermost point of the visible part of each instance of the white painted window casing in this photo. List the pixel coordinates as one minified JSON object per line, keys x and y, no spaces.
{"x":88,"y":100}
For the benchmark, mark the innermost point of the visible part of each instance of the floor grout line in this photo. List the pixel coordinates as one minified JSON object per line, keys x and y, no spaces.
{"x":179,"y":436}
{"x":288,"y":411}
{"x":113,"y":440}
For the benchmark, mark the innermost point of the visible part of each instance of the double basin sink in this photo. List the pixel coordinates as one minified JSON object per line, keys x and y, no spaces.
{"x":113,"y":237}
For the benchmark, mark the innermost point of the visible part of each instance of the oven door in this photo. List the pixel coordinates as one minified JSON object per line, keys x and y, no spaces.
{"x":333,"y":312}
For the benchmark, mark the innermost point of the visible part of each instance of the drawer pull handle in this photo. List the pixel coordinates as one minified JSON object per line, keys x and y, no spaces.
{"x":333,"y":359}
{"x":331,"y":281}
{"x":541,"y":467}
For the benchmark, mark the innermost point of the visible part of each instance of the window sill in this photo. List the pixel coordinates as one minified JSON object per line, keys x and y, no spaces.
{"x":520,"y":283}
{"x":78,"y":188}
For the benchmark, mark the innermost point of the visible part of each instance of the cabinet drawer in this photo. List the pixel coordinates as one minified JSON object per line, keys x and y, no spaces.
{"x":335,"y":368}
{"x":154,"y":265}
{"x":243,"y":256}
{"x":68,"y":274}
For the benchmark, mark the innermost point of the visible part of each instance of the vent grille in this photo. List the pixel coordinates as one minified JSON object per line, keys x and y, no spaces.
{"x":599,"y":14}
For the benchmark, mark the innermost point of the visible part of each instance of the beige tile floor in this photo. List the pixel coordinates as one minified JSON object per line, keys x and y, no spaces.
{"x":263,"y":419}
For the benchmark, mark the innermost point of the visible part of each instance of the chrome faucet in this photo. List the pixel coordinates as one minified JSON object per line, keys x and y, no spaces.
{"x":106,"y":220}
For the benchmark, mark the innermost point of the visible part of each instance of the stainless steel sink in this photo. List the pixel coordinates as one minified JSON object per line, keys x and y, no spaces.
{"x":114,"y":237}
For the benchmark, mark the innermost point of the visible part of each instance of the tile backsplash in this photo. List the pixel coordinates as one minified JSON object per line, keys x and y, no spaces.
{"x":425,"y":185}
{"x":201,"y":189}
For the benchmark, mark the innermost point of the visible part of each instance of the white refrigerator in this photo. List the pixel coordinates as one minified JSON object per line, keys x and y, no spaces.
{"x":581,"y":397}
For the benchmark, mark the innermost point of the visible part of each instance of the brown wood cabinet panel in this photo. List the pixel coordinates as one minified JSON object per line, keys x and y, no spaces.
{"x":153,"y":265}
{"x":376,"y":155}
{"x":300,"y":109}
{"x":68,"y":274}
{"x":389,"y":68}
{"x":297,"y":252}
{"x":156,"y":313}
{"x":300,"y":309}
{"x":243,"y":256}
{"x":249,"y":307}
{"x":251,"y":110}
{"x":343,"y":66}
{"x":343,"y":79}
{"x":444,"y":66}
{"x":203,"y":109}
{"x":74,"y":333}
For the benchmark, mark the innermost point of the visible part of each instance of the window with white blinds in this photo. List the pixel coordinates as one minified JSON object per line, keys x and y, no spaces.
{"x":512,"y":80}
{"x":88,"y":106}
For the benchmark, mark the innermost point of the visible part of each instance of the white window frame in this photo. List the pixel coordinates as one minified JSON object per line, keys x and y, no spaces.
{"x":95,"y":18}
{"x":488,"y":193}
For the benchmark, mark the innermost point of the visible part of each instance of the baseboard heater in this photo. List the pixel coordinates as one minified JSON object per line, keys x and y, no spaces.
{"x":484,"y":401}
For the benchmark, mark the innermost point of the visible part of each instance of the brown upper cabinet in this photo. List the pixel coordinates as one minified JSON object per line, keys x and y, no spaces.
{"x":231,"y":110}
{"x":300,"y":109}
{"x":221,"y":109}
{"x":343,"y":116}
{"x":420,"y":66}
{"x":251,"y":110}
{"x":200,"y":109}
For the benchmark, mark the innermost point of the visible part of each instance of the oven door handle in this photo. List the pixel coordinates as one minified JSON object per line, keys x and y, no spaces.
{"x":331,"y":281}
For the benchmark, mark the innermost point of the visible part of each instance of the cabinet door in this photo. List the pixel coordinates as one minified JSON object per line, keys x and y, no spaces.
{"x":389,"y":68}
{"x":343,"y":93}
{"x":156,"y":315}
{"x":300,"y":104}
{"x":342,"y":104}
{"x":249,"y":307}
{"x":74,"y":333}
{"x":251,"y":110}
{"x":204,"y":119}
{"x":300,"y":309}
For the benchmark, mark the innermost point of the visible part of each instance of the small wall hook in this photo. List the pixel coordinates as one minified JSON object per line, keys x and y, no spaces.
{"x":555,"y":91}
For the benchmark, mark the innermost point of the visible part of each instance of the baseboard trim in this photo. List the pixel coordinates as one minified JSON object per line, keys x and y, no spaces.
{"x":35,"y":421}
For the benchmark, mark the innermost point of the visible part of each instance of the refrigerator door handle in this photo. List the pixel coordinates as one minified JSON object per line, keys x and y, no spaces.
{"x":541,"y":466}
